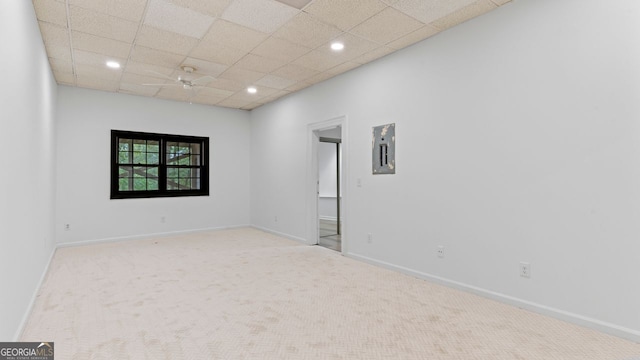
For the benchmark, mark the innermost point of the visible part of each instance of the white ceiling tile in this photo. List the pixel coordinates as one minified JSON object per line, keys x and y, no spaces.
{"x":61,"y":66}
{"x":64,"y":78}
{"x":319,"y":60}
{"x":96,"y":44}
{"x":373,"y":55}
{"x":463,"y":14}
{"x":56,"y":41}
{"x":54,"y":35}
{"x":210,"y":7}
{"x":97,"y":77}
{"x":295,"y":72}
{"x":54,"y":12}
{"x":156,"y":57}
{"x":89,"y":58}
{"x":344,"y":67}
{"x":125,"y":9}
{"x":241,"y":75}
{"x":137,"y":89}
{"x":103,"y":25}
{"x":58,"y":52}
{"x":233,"y":35}
{"x":225,"y":84}
{"x":131,"y":78}
{"x":354,"y":46}
{"x":386,"y":26}
{"x":277,"y":95}
{"x":206,"y":67}
{"x":321,"y":77}
{"x":430,"y":10}
{"x":165,"y":40}
{"x":234,"y":104}
{"x":215,"y":92}
{"x":243,"y":95}
{"x":284,"y":50}
{"x":143,"y":69}
{"x":275,"y":82}
{"x":298,"y":4}
{"x":217,"y":53}
{"x":167,"y":16}
{"x":299,"y":86}
{"x":344,"y":14}
{"x":307,"y":31}
{"x":414,"y":37}
{"x":265,"y":15}
{"x":259,"y":63}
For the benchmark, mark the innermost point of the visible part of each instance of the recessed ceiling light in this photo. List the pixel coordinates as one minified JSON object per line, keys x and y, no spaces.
{"x":337,"y":46}
{"x":113,"y":64}
{"x":252,"y":90}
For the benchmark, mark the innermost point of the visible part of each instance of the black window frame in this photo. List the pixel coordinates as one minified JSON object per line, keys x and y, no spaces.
{"x":163,"y":182}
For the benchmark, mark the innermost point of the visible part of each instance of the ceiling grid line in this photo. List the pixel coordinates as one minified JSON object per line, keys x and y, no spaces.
{"x":73,"y":63}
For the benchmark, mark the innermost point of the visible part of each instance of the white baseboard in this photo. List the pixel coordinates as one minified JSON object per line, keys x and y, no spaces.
{"x":146,"y":236}
{"x":25,"y":316}
{"x":602,"y":326}
{"x":296,"y":238}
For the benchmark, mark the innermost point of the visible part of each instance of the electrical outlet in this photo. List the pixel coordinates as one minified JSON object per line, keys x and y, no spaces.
{"x":67,"y":227}
{"x":163,"y":219}
{"x":275,"y":218}
{"x":440,"y":251}
{"x":369,"y":238}
{"x":525,"y":269}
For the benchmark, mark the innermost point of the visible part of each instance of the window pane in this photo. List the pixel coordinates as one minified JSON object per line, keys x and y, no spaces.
{"x":139,"y":184}
{"x":139,"y":171}
{"x":124,"y":158}
{"x":184,"y":160}
{"x":123,"y":185}
{"x":184,"y":173}
{"x":125,"y":171}
{"x":125,"y":144}
{"x":152,"y":184}
{"x":152,"y":172}
{"x":185,"y":148}
{"x":172,"y":173}
{"x":195,"y":149}
{"x":153,"y":158}
{"x":139,"y":158}
{"x":153,"y":146}
{"x":139,"y":145}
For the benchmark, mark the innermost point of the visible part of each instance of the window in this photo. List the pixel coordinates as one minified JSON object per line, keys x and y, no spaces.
{"x":158,"y":165}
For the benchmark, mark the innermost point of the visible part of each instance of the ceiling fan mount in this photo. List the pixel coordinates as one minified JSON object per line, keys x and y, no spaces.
{"x":186,"y":82}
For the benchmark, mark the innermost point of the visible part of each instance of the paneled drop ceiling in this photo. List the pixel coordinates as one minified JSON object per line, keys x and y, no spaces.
{"x":276,"y":46}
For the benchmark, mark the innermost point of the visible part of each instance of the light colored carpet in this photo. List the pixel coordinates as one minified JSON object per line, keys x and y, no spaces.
{"x":245,"y":294}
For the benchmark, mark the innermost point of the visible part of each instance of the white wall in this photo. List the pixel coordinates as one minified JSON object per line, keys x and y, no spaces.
{"x":86,"y":118}
{"x":27,"y":112}
{"x":517,"y":140}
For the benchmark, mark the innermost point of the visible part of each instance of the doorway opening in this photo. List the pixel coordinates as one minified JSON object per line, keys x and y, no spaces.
{"x":329,"y":188}
{"x":327,"y":176}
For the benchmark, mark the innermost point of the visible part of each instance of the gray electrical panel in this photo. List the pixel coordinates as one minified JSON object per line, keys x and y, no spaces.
{"x":384,"y":149}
